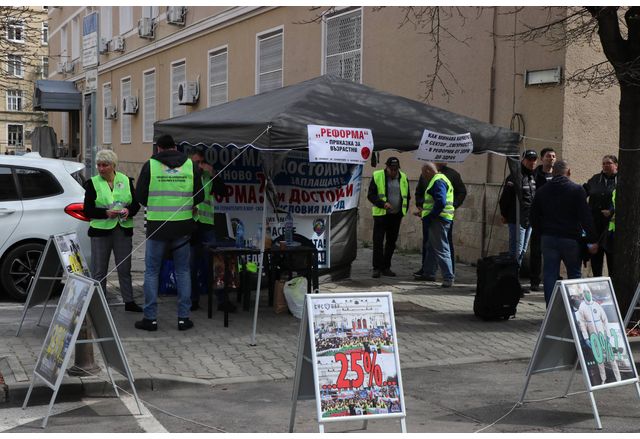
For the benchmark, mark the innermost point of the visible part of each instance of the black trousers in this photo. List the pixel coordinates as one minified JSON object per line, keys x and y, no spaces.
{"x":535,"y":258}
{"x":386,"y":226}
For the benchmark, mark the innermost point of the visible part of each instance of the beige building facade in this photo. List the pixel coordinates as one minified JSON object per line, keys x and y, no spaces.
{"x":24,"y":41}
{"x":153,"y":63}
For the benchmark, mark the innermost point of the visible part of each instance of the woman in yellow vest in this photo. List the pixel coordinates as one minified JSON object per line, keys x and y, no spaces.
{"x":110,"y":201}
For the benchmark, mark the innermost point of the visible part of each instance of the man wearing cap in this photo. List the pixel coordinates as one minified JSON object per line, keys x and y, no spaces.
{"x":389,"y":194}
{"x":523,"y":187}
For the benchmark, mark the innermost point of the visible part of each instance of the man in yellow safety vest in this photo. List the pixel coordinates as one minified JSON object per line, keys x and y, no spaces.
{"x":389,"y":194}
{"x":169,"y":185}
{"x":437,"y":216}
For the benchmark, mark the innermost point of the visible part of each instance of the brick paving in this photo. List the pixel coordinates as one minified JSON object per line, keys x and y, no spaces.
{"x":436,"y":327}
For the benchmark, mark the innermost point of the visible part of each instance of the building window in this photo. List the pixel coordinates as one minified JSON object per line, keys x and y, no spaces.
{"x":269,"y":61}
{"x":150,"y":11}
{"x":106,"y":123}
{"x":218,"y":86}
{"x":75,"y":38}
{"x":63,"y":43}
{"x":344,"y":45}
{"x":15,"y":31}
{"x":45,"y":33}
{"x":14,"y":100}
{"x":178,"y":75}
{"x":105,"y":22}
{"x":148,"y":105}
{"x":14,"y":66}
{"x":125,"y":119}
{"x":45,"y":67}
{"x":126,"y":19}
{"x":15,"y":136}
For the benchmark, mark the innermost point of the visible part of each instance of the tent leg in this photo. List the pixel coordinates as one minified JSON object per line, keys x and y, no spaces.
{"x":259,"y":282}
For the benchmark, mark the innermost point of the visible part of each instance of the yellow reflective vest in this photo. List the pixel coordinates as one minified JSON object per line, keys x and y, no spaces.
{"x":427,"y":206}
{"x":170,"y":192}
{"x":106,"y":198}
{"x":379,"y":178}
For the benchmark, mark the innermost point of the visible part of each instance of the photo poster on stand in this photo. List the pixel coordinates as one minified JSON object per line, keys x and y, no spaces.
{"x":599,"y":333}
{"x":354,"y":350}
{"x":71,"y":255}
{"x":63,"y":331}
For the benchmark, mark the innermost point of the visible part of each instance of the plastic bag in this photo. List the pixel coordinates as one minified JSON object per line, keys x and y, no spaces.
{"x":294,"y":292}
{"x":167,"y":286}
{"x":279,"y":302}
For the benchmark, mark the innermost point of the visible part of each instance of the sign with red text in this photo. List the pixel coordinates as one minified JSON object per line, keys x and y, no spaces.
{"x":339,"y":144}
{"x":449,"y":148}
{"x":356,"y":364}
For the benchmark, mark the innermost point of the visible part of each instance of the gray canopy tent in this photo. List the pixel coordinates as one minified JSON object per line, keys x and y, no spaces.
{"x":276,"y":122}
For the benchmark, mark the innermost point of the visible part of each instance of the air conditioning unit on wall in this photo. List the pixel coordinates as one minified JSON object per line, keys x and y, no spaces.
{"x":117,"y":44}
{"x":188,"y":93}
{"x":176,"y":15}
{"x":146,"y":27}
{"x":130,"y":105}
{"x":110,"y":112}
{"x":103,"y":46}
{"x":61,"y":67}
{"x":69,"y":66}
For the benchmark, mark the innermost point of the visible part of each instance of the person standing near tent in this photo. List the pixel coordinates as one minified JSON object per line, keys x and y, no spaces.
{"x":169,"y":185}
{"x":204,"y":234}
{"x":459,"y":194}
{"x":437,"y":215}
{"x":110,"y":201}
{"x":389,"y":194}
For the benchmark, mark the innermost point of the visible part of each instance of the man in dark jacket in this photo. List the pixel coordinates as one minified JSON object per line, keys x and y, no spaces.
{"x":169,"y":186}
{"x":561,"y":215}
{"x":542,"y":174}
{"x":599,"y":189}
{"x":389,"y":194}
{"x":523,"y":187}
{"x":459,"y":194}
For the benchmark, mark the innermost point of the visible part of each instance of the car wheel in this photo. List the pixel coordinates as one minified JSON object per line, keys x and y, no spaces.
{"x":19,"y":268}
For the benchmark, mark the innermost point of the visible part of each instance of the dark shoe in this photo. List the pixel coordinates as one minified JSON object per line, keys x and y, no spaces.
{"x":535,"y":287}
{"x":425,"y":278}
{"x":230,"y":307}
{"x":184,"y":324}
{"x":418,"y":273}
{"x":376,"y":274}
{"x":447,"y":283}
{"x":132,"y":306}
{"x":195,"y":306}
{"x":388,"y":272}
{"x":147,"y":325}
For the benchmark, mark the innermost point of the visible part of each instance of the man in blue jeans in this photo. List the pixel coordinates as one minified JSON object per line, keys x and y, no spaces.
{"x":437,"y":216}
{"x":169,"y":185}
{"x":561,"y":215}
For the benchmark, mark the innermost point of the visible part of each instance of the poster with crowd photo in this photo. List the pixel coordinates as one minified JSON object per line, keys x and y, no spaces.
{"x":64,"y":328}
{"x":71,"y":255}
{"x":599,"y":332}
{"x":355,"y":356}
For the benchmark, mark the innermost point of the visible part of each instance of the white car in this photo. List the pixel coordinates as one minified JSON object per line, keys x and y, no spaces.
{"x":39,"y":197}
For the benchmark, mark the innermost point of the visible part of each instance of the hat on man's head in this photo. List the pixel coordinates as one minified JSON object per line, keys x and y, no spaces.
{"x":393,"y":161}
{"x":530,"y":154}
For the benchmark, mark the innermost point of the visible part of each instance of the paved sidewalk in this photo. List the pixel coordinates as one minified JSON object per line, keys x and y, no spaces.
{"x":436,"y":327}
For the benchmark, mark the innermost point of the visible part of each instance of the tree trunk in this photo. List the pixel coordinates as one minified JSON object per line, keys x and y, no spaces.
{"x":627,"y":234}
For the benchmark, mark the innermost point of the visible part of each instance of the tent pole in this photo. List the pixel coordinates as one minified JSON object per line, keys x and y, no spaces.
{"x":260,"y":260}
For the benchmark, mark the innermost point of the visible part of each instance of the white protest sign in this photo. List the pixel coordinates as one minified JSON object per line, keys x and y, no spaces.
{"x":339,"y":144}
{"x":449,"y":148}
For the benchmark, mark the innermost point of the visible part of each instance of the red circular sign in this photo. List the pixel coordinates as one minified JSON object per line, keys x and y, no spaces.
{"x":366,"y":152}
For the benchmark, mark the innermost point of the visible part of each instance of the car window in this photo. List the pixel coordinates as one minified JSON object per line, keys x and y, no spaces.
{"x":8,"y":190}
{"x":37,"y":183}
{"x":79,"y":177}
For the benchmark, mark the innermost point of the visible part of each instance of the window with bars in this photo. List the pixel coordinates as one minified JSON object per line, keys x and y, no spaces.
{"x":15,"y":31}
{"x":45,"y":33}
{"x":218,"y":86}
{"x":125,"y":119}
{"x":148,"y":105}
{"x":14,"y":66}
{"x":344,"y":45}
{"x":14,"y":100}
{"x":106,"y":123}
{"x":15,"y":135}
{"x":178,"y":75}
{"x":269,"y":61}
